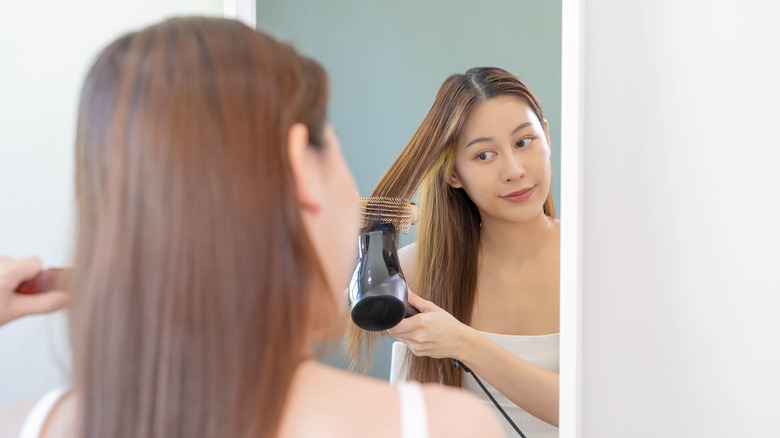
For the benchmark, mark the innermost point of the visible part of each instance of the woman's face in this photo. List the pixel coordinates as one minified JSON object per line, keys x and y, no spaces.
{"x":502,"y":160}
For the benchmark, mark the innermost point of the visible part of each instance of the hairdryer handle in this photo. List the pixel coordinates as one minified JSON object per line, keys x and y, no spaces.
{"x":410,"y":311}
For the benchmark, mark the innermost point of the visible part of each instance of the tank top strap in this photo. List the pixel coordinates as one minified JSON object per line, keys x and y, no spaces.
{"x":414,"y":417}
{"x":36,"y":419}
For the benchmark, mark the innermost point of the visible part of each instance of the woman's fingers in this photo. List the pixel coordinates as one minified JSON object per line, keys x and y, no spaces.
{"x":405,"y":327}
{"x":15,"y":271}
{"x":40,"y":303}
{"x":421,"y":304}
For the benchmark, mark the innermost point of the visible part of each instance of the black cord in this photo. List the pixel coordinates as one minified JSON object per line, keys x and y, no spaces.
{"x":460,"y":364}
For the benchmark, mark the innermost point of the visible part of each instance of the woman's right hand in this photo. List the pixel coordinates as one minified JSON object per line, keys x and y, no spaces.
{"x":14,"y":272}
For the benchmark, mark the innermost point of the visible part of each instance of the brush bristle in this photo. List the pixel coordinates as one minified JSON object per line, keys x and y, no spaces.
{"x":376,"y":210}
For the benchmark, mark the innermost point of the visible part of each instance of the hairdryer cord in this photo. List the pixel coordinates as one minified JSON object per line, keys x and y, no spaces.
{"x":460,"y":364}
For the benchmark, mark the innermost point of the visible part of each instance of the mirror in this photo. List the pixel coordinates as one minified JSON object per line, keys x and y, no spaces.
{"x":387,"y":60}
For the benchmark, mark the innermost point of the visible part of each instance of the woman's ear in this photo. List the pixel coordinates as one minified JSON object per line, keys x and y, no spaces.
{"x":454,"y":181}
{"x":306,"y":169}
{"x":546,"y":130}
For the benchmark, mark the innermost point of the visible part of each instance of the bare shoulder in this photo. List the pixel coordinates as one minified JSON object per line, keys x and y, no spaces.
{"x":339,"y":404}
{"x":554,"y":240}
{"x":556,"y":226}
{"x":12,"y":419}
{"x":406,"y":256}
{"x":454,"y":412}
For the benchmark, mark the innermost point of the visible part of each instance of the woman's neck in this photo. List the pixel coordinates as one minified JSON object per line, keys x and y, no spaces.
{"x":513,"y":242}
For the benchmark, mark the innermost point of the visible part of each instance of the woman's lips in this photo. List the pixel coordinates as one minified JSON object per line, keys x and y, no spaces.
{"x":520,"y":195}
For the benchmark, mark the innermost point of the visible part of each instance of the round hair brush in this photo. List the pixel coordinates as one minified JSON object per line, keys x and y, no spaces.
{"x":376,"y":210}
{"x":378,"y":292}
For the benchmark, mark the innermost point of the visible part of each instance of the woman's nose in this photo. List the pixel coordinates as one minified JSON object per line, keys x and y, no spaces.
{"x":513,"y":168}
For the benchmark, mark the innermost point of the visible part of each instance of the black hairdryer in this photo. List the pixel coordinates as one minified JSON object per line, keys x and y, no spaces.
{"x":378,"y":295}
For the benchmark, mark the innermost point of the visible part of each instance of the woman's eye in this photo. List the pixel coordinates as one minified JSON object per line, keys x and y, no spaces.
{"x":482,"y":156}
{"x":524,"y":142}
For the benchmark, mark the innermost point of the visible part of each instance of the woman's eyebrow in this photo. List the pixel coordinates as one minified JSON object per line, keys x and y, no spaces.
{"x":520,"y":128}
{"x":514,"y":131}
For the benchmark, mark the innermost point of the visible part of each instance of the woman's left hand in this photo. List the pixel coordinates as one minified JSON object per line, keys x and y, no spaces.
{"x":433,"y":332}
{"x":12,"y":305}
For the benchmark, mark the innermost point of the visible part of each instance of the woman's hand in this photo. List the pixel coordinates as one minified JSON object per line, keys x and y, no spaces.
{"x":14,"y":272}
{"x":433,"y":332}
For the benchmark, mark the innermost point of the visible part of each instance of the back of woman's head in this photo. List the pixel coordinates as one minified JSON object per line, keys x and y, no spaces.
{"x":193,"y":269}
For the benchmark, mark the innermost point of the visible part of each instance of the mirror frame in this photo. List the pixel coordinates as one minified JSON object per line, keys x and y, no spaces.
{"x":572,"y":135}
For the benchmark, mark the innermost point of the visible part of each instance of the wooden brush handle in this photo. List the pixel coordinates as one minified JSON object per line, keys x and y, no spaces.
{"x":47,"y":280}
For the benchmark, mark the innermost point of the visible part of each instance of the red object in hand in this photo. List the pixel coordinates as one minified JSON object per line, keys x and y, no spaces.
{"x":46,"y":281}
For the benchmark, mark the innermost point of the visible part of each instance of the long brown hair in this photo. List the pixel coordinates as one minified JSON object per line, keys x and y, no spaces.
{"x":193,"y":273}
{"x":445,"y":270}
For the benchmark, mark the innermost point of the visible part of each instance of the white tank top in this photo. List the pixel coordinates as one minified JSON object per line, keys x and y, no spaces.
{"x":36,"y":419}
{"x":414,"y":417}
{"x":542,"y":351}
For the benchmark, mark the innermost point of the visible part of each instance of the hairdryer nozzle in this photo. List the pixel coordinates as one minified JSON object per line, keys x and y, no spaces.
{"x":378,"y":312}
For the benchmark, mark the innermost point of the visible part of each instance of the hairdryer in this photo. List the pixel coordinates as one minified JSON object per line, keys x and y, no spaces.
{"x":378,"y":294}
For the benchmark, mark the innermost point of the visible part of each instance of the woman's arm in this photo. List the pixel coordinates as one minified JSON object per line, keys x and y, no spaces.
{"x":436,"y":333}
{"x":532,"y":388}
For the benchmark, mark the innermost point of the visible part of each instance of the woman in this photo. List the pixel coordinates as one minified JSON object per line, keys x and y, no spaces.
{"x":486,"y":262}
{"x":215,"y":222}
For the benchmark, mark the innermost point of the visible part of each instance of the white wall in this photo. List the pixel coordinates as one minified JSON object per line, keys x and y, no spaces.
{"x":46,"y":47}
{"x":681,"y":219}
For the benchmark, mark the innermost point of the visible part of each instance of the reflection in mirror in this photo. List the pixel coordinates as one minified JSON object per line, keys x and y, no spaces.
{"x":386,"y":62}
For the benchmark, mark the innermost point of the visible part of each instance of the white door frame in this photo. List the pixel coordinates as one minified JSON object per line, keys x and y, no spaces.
{"x":572,"y":130}
{"x":242,"y":10}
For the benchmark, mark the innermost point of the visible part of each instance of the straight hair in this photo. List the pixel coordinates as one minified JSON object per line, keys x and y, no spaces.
{"x":448,"y":233}
{"x":194,"y":276}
